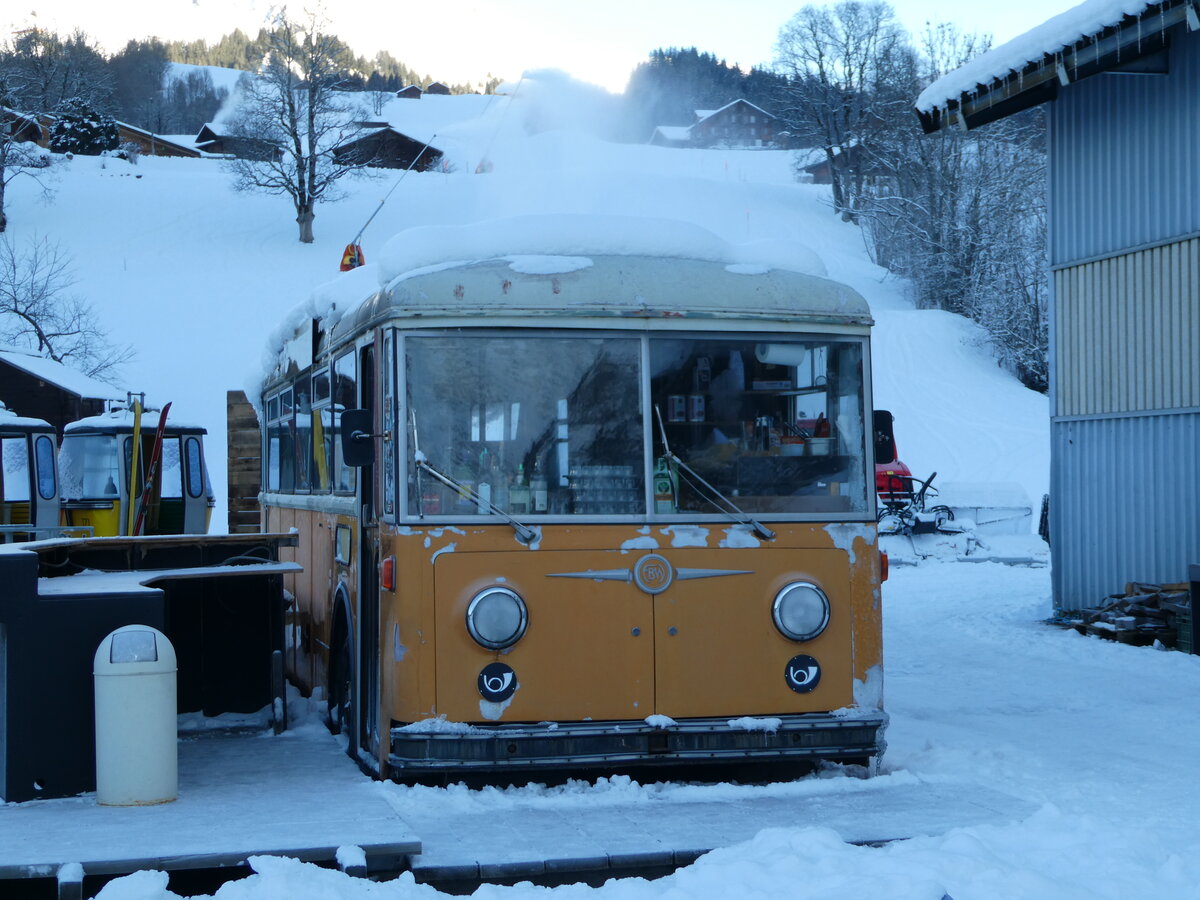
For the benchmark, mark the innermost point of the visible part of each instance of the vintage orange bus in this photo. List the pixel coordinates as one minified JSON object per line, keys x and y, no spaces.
{"x":612,"y":513}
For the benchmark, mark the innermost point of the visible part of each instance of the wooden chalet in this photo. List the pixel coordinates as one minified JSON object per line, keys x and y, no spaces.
{"x":25,"y":129}
{"x":214,"y":140}
{"x":738,"y":125}
{"x":410,"y":92}
{"x":387,"y":148}
{"x":437,"y":87}
{"x":151,"y":144}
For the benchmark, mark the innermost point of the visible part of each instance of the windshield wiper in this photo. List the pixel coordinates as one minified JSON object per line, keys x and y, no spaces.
{"x":525,"y":534}
{"x":712,"y":494}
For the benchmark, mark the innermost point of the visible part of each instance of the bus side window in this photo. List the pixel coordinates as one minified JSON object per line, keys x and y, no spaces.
{"x":345,"y":396}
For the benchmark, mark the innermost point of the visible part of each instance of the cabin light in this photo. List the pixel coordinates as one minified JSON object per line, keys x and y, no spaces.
{"x":496,"y":618}
{"x":800,"y":611}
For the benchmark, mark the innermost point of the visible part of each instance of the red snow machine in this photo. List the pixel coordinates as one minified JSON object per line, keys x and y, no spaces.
{"x":893,"y":480}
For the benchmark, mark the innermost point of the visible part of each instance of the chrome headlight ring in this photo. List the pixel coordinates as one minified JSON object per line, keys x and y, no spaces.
{"x":800,"y":611}
{"x":497,"y":618}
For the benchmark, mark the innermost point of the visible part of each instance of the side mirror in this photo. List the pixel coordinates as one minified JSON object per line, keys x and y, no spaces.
{"x":885,"y":439}
{"x":358,"y":444}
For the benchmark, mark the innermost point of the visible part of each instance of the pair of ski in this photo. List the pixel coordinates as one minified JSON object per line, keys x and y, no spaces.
{"x":143,"y":505}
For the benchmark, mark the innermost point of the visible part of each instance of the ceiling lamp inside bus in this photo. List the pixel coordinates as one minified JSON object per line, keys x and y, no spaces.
{"x":801,"y":611}
{"x":497,"y":618}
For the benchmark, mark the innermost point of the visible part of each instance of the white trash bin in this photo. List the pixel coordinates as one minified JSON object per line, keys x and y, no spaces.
{"x":137,"y":752}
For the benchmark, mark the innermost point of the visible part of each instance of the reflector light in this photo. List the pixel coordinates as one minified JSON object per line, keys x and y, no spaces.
{"x":389,"y":574}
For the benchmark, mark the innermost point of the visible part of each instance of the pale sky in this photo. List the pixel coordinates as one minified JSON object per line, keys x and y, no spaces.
{"x":596,"y":42}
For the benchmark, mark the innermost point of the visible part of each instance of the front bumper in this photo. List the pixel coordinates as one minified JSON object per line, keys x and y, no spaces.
{"x":602,"y":745}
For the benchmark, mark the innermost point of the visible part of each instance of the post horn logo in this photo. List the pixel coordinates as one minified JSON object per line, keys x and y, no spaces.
{"x":803,"y":674}
{"x":497,"y":682}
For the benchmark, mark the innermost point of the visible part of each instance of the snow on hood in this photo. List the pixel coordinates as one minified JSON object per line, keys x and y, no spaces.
{"x":1086,"y":19}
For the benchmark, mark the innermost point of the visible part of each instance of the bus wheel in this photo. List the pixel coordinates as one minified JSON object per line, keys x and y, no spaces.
{"x":341,"y":689}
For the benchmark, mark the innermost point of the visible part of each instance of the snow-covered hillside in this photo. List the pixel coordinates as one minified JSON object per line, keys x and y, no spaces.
{"x":197,"y":276}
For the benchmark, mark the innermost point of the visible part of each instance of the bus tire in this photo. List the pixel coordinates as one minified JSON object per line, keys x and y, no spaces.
{"x":341,"y":695}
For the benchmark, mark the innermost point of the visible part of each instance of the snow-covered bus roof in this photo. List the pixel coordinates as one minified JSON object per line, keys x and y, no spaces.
{"x":524,"y":287}
{"x":1095,"y":36}
{"x":614,"y":269}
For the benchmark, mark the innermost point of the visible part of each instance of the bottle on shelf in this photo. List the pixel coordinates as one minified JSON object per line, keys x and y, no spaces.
{"x":539,"y":488}
{"x":518,"y":493}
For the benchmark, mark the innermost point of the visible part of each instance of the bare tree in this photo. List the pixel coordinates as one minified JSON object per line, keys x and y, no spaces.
{"x":839,"y":61}
{"x":44,"y":70}
{"x":38,"y":310}
{"x":292,"y":116}
{"x":962,"y":215}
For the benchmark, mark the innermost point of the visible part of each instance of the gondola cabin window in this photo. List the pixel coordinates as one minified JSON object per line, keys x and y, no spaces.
{"x":44,"y":451}
{"x":15,"y":452}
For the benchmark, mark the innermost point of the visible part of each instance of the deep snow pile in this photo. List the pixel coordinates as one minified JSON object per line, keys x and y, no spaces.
{"x":198,"y":277}
{"x":1098,"y":736}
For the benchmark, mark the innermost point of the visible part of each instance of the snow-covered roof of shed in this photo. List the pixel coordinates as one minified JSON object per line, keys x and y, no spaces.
{"x":675,"y":132}
{"x":55,"y":373}
{"x":1095,"y":25}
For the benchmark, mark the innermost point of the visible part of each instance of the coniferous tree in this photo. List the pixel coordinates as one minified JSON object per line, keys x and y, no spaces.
{"x":138,"y":73}
{"x":79,"y":128}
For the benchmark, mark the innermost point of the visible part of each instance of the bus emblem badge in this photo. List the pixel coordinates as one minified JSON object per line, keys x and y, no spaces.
{"x":653,"y":574}
{"x":497,"y":682}
{"x":803,"y":674}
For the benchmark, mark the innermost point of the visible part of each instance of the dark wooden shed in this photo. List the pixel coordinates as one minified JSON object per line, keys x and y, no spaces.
{"x":387,"y":148}
{"x":41,"y":388}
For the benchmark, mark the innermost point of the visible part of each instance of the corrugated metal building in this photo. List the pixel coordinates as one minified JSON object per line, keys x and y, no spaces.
{"x":1124,"y":213}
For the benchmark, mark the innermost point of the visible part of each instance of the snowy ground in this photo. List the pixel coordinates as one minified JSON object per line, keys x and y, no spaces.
{"x":1099,"y":737}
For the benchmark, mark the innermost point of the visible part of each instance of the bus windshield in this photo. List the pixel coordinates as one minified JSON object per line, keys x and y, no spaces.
{"x":554,"y":425}
{"x":535,"y":425}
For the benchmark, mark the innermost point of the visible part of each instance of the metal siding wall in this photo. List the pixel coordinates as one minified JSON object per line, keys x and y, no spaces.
{"x":1125,"y":493}
{"x":1125,"y":158}
{"x":1127,"y":333}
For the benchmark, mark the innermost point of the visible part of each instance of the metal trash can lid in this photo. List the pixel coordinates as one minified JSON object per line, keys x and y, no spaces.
{"x":134,"y":650}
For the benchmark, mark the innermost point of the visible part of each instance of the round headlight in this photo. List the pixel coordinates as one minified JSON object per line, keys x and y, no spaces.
{"x":497,"y":618}
{"x":801,"y":611}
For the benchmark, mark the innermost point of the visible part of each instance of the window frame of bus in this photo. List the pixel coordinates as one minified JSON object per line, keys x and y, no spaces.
{"x":322,"y":412}
{"x":650,"y":429}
